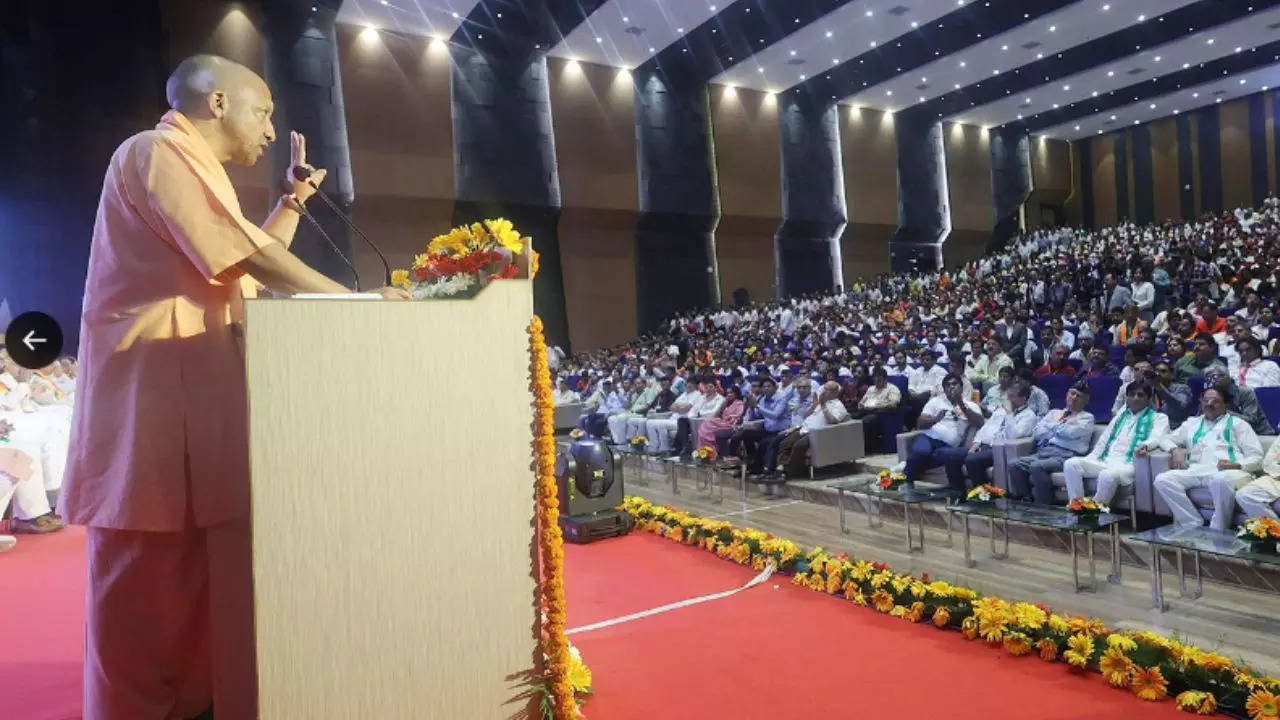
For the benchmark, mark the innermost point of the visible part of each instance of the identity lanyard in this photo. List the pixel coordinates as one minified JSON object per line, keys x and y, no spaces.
{"x":1226,"y":435}
{"x":1142,"y":428}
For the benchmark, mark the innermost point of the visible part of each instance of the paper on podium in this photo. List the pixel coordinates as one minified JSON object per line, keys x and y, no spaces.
{"x":337,"y":296}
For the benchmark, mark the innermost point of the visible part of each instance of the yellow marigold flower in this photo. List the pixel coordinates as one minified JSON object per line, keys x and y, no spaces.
{"x":1029,"y":616}
{"x":1262,"y":705}
{"x":1196,"y":701}
{"x":757,"y":563}
{"x":400,"y":278}
{"x":421,"y":260}
{"x":506,"y":235}
{"x":833,"y":583}
{"x":1048,"y":649}
{"x":882,"y":601}
{"x":940,"y":589}
{"x":969,"y":626}
{"x":941,"y":617}
{"x":801,"y":579}
{"x":857,"y":598}
{"x":1092,"y":626}
{"x":900,"y":584}
{"x":1121,"y":642}
{"x":991,"y":629}
{"x":879,"y":579}
{"x":816,"y":582}
{"x":1212,"y":662}
{"x":1149,"y":684}
{"x":1017,"y":644}
{"x":1080,"y":649}
{"x":579,"y":674}
{"x":1058,"y":625}
{"x":835,"y":572}
{"x":919,"y":589}
{"x":1115,"y":667}
{"x":963,"y":593}
{"x":898,"y":611}
{"x":862,"y":570}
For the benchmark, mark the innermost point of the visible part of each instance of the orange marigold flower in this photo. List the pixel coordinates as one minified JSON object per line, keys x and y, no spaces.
{"x":969,"y":626}
{"x":1048,"y":649}
{"x":1116,"y":668}
{"x":941,"y":617}
{"x":1262,"y":705}
{"x":882,"y":601}
{"x":916,"y":612}
{"x":1017,"y":644}
{"x":1149,"y":684}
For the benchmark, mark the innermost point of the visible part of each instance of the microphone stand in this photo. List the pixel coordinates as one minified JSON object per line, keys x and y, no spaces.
{"x":302,"y":210}
{"x":304,"y":175}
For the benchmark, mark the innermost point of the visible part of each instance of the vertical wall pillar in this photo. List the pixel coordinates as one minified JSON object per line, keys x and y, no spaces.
{"x":1086,"y":182}
{"x":1144,"y":199}
{"x":679,"y":203}
{"x":504,"y":159}
{"x":1186,"y":175}
{"x":807,"y":244}
{"x":1258,"y":148}
{"x":1121,"y":155}
{"x":924,"y":210}
{"x":1011,"y":183}
{"x":302,"y":70}
{"x":1209,"y":142}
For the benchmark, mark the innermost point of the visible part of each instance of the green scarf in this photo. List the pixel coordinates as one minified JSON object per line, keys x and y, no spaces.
{"x":1226,"y":435}
{"x":1140,"y":434}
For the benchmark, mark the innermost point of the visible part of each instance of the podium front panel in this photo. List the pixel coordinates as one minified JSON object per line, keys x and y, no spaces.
{"x":393,"y":505}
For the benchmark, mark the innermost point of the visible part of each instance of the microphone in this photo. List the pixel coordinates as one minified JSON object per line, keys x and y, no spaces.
{"x":304,"y":174}
{"x":320,"y":229}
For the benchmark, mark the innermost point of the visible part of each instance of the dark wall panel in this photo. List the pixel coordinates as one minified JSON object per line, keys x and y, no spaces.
{"x":1258,"y":148}
{"x":1121,"y":160}
{"x":1209,"y":151}
{"x":1164,"y":168}
{"x":1143,"y":187}
{"x":1187,"y":180}
{"x":1236,"y":161}
{"x":1088,"y":217}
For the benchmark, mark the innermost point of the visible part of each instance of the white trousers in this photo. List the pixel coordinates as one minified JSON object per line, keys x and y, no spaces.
{"x":1172,"y":486}
{"x":1111,"y":475}
{"x":660,"y":432}
{"x":1257,"y":497}
{"x":44,"y":435}
{"x":29,"y":498}
{"x":624,"y":426}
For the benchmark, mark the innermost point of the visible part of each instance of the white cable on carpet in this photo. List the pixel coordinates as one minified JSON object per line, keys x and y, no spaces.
{"x":764,"y":575}
{"x":754,"y":509}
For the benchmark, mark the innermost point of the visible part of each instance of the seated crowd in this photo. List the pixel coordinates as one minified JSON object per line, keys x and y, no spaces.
{"x":35,"y":426}
{"x":1095,"y":347}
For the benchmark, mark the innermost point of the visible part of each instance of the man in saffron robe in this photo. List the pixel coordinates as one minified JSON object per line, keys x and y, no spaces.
{"x":158,"y":465}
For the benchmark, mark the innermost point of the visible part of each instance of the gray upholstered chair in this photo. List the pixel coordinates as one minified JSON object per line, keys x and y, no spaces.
{"x":566,"y":416}
{"x":1157,"y":462}
{"x":836,"y":444}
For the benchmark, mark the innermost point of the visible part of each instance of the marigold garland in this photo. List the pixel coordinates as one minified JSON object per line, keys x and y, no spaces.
{"x":1148,"y":665}
{"x":550,"y":539}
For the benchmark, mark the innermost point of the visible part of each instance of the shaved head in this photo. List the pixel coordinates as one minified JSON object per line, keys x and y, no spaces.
{"x":227,"y":102}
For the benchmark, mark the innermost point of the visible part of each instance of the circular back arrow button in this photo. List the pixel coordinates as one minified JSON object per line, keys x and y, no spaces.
{"x":33,"y":340}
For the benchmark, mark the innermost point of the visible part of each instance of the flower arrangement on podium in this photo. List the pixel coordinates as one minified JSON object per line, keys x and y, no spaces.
{"x":465,"y":259}
{"x":705,"y":454}
{"x":890,"y":479}
{"x":1262,"y":534}
{"x":638,"y":443}
{"x":984,"y":494}
{"x":1087,"y":507}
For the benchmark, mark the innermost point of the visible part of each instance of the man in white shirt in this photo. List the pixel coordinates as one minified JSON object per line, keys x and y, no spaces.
{"x":562,"y":394}
{"x":1221,"y":453}
{"x":1250,"y":370}
{"x":42,"y":433}
{"x":712,"y":400}
{"x":1258,"y":498}
{"x":1059,"y":435}
{"x":21,"y":482}
{"x":944,"y":422}
{"x":787,"y":321}
{"x":793,"y":445}
{"x":923,"y":383}
{"x":659,"y":431}
{"x":880,"y":399}
{"x":1111,"y":460}
{"x":1014,"y":419}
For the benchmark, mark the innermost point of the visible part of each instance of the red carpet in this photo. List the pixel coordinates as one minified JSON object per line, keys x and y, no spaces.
{"x":42,"y":584}
{"x":793,"y":653}
{"x":763,"y":653}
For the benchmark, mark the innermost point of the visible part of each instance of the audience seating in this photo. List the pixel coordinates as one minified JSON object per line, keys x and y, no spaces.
{"x":1269,"y":399}
{"x":566,"y":416}
{"x":835,"y":445}
{"x":1129,"y":498}
{"x":1158,"y":462}
{"x":1056,"y":387}
{"x":1102,"y":394}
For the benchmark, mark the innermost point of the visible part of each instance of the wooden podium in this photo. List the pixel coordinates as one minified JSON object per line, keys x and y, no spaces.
{"x":393,"y":505}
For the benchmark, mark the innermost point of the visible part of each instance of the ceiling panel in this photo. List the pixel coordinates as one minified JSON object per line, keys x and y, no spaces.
{"x":845,"y":33}
{"x":434,"y":18}
{"x":1147,"y":64}
{"x":625,"y":33}
{"x":1179,"y":101}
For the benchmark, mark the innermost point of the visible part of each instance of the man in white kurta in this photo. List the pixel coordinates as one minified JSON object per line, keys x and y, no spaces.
{"x":1222,"y":452}
{"x":1257,"y":499}
{"x":660,"y":431}
{"x":1111,"y":460}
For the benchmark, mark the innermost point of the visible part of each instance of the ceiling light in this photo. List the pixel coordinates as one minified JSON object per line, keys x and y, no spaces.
{"x":1066,"y":88}
{"x":835,"y":61}
{"x":802,"y":76}
{"x":793,"y":52}
{"x":888,"y":92}
{"x":680,"y":30}
{"x":759,"y":70}
{"x":961,"y":63}
{"x":1195,"y":95}
{"x":1152,"y":106}
{"x":626,"y":19}
{"x":1113,"y":117}
{"x":599,"y":40}
{"x":1175,"y":111}
{"x":1141,"y":18}
{"x":915,"y":24}
{"x":869,"y":13}
{"x":1027,"y":100}
{"x":1157,"y":58}
{"x":1111,"y":73}
{"x":957,"y":86}
{"x":455,"y":15}
{"x":652,"y":50}
{"x":1099,"y":132}
{"x":995,"y":72}
{"x":1239,"y":49}
{"x":1004,"y":47}
{"x":1095,"y":93}
{"x":1055,"y":106}
{"x":1019,"y":116}
{"x":1218,"y":100}
{"x":829,"y":33}
{"x":1241,"y":81}
{"x":1135,"y":122}
{"x":1053,"y":28}
{"x":1104,"y":7}
{"x":1186,"y":65}
{"x":924,"y":79}
{"x":1039,"y":56}
{"x":713,"y":8}
{"x":1209,"y":41}
{"x":921,"y":98}
{"x":1077,"y":127}
{"x":873,"y":43}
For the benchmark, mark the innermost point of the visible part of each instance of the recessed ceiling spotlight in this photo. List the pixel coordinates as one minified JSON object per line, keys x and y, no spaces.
{"x":1186,"y":65}
{"x":1113,"y":117}
{"x":924,"y":79}
{"x":962,"y":63}
{"x":1055,"y":106}
{"x":1077,"y":127}
{"x":713,"y":8}
{"x":889,"y":92}
{"x":1217,"y":100}
{"x":957,"y":86}
{"x":1157,"y":58}
{"x":626,"y":19}
{"x":1209,"y":41}
{"x":873,"y":43}
{"x":802,"y":76}
{"x":759,"y":70}
{"x":1104,"y":7}
{"x":1095,"y":93}
{"x":1066,"y":88}
{"x":652,"y":50}
{"x":1027,"y":100}
{"x":829,"y":33}
{"x":1175,"y":111}
{"x":1019,"y":116}
{"x":1152,"y":106}
{"x":1053,"y":28}
{"x":1111,"y":73}
{"x":1241,"y":81}
{"x":1239,"y":49}
{"x":915,"y":24}
{"x":921,"y":98}
{"x":1135,"y":122}
{"x":455,"y":16}
{"x":680,"y":30}
{"x":1195,"y":95}
{"x":599,"y":40}
{"x":1099,"y":132}
{"x":793,"y":52}
{"x":995,"y":72}
{"x":1039,"y":56}
{"x":1141,"y":18}
{"x":869,"y":13}
{"x":1004,"y":47}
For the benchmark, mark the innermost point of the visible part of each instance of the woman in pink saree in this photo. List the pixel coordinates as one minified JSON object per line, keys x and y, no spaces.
{"x":728,"y":418}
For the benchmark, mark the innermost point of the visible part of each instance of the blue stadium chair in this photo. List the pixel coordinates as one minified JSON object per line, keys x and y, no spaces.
{"x":1196,"y":383}
{"x":1073,"y":329}
{"x":1056,"y":387}
{"x":901,"y":382}
{"x":1269,"y":399}
{"x":573,"y":381}
{"x":1075,"y":363}
{"x":1102,"y":393}
{"x":1103,"y":338}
